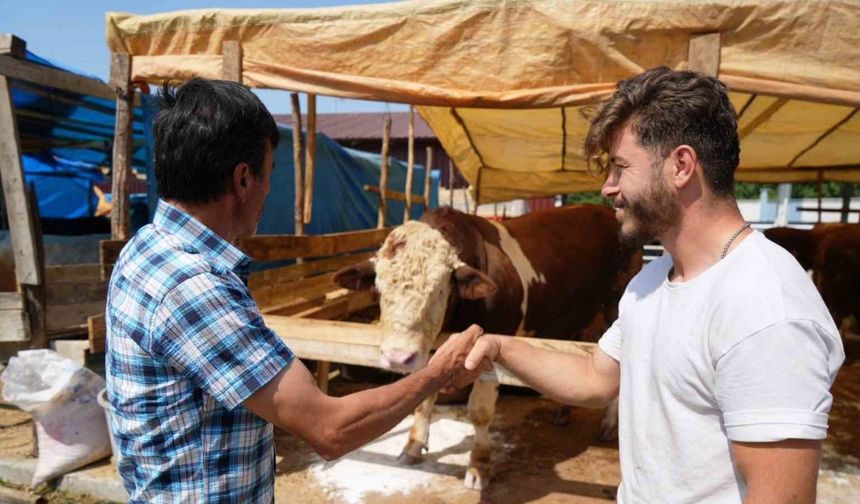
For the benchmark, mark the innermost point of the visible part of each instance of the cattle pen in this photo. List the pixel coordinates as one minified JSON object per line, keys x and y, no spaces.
{"x":509,"y":137}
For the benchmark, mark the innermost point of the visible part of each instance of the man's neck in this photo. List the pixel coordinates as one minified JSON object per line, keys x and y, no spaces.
{"x":215,"y":215}
{"x":697,"y":242}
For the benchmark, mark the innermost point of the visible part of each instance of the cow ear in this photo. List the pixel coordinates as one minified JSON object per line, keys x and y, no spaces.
{"x":472,"y":284}
{"x":361,"y":276}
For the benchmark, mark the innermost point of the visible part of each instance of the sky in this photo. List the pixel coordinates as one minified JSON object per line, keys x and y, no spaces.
{"x":73,"y":34}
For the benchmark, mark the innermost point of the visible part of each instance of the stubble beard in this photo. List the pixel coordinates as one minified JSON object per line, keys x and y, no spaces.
{"x":649,"y":215}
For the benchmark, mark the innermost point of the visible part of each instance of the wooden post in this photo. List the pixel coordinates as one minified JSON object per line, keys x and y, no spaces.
{"x":428,"y":167}
{"x":410,"y":164}
{"x":383,"y":173}
{"x":299,"y":163}
{"x":847,"y":193}
{"x":477,"y":190}
{"x":450,"y":183}
{"x":231,"y":67}
{"x":310,"y":157}
{"x":322,"y":371}
{"x":704,"y":53}
{"x":120,"y":79}
{"x":10,"y":45}
{"x":820,"y":191}
{"x":24,"y":246}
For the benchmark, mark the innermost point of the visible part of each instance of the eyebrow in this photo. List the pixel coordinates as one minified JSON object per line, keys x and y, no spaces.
{"x":615,"y":159}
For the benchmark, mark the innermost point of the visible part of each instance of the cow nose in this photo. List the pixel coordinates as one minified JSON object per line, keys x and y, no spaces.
{"x":399,"y":359}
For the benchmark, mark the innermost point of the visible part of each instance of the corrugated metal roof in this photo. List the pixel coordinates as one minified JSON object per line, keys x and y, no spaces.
{"x":363,"y":126}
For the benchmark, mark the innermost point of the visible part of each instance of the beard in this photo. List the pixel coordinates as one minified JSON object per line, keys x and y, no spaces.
{"x":649,"y":214}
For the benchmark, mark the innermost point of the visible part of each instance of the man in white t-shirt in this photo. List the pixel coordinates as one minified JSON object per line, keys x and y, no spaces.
{"x":723,"y":353}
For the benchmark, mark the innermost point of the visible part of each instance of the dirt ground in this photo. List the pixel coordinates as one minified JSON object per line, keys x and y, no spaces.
{"x":534,"y":460}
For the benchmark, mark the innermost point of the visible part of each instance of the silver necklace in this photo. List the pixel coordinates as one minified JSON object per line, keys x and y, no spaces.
{"x":732,"y":239}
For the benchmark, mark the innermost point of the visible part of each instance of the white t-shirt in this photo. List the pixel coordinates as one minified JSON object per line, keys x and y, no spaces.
{"x":745,"y":351}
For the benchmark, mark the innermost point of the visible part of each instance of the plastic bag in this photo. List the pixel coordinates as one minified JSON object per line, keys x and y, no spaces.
{"x":62,"y":396}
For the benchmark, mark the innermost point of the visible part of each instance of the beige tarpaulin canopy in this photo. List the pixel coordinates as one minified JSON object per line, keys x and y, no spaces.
{"x":502,"y":82}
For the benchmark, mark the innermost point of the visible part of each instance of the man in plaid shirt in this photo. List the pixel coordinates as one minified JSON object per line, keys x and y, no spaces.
{"x":195,"y":377}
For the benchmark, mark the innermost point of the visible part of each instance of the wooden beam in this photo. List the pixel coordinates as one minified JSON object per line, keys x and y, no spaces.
{"x":450,"y":183}
{"x":310,"y":157}
{"x":231,"y":62}
{"x":764,"y":116}
{"x":704,"y":53}
{"x":298,"y":165}
{"x":120,"y":78}
{"x":358,"y":344}
{"x":27,"y":270}
{"x":10,"y":45}
{"x":72,"y":273}
{"x":792,"y":91}
{"x":410,"y":164}
{"x":428,"y":168}
{"x":11,"y":301}
{"x":278,"y":247}
{"x":292,"y":272}
{"x":395,"y":195}
{"x":34,"y":295}
{"x":96,"y":332}
{"x":383,"y":173}
{"x":58,"y":79}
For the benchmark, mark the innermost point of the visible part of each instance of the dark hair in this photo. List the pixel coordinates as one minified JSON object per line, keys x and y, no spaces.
{"x":670,"y":108}
{"x":202,"y":131}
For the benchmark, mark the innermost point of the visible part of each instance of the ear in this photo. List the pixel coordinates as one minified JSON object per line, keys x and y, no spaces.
{"x":361,"y":276}
{"x":241,"y":174}
{"x":684,"y":161}
{"x":472,"y":284}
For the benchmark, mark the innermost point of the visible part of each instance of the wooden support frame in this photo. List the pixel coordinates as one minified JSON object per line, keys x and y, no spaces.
{"x":10,"y":45}
{"x":231,"y":66}
{"x":396,"y":195}
{"x":383,"y":173}
{"x":120,"y":78}
{"x":704,"y":53}
{"x":410,"y":164}
{"x":428,"y":167}
{"x":358,"y":344}
{"x":310,"y":157}
{"x":299,"y":165}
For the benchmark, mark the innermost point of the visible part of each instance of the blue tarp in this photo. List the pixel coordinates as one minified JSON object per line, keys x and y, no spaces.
{"x":66,"y":139}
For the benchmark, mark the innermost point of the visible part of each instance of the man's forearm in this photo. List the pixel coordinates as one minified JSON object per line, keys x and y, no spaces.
{"x":363,"y":416}
{"x":567,"y":378}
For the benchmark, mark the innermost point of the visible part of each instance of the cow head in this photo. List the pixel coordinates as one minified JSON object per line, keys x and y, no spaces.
{"x":416,"y":272}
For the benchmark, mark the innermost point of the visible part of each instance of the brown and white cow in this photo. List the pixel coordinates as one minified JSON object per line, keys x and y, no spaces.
{"x":548,"y":274}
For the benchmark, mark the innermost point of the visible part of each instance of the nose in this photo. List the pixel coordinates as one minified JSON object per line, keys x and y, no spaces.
{"x":610,"y":186}
{"x":399,"y":359}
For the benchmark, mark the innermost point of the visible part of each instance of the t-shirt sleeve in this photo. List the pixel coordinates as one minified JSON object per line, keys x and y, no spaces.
{"x":610,"y":342}
{"x":775,"y":384}
{"x":211,"y":331}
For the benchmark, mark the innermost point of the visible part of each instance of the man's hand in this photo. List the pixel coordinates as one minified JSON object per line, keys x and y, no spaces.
{"x":487,"y":348}
{"x":450,"y":359}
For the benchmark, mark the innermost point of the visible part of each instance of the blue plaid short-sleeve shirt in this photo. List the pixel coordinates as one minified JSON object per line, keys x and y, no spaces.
{"x":186,"y":345}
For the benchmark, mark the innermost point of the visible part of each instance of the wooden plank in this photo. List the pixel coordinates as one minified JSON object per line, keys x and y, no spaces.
{"x":72,"y":273}
{"x":75,"y":293}
{"x":704,"y":53}
{"x":791,"y":90}
{"x":290,"y":308}
{"x":14,"y":326}
{"x":322,"y":375}
{"x":45,"y":76}
{"x":62,"y":318}
{"x":428,"y":167}
{"x":11,"y":301}
{"x":450,"y":183}
{"x":231,"y":53}
{"x":383,"y":173}
{"x":120,"y":78}
{"x":395,"y":195}
{"x":280,"y":247}
{"x":295,"y":271}
{"x":410,"y":164}
{"x":97,"y":333}
{"x":306,"y":288}
{"x":298,"y":165}
{"x":353,"y":343}
{"x":310,"y":158}
{"x":339,"y":307}
{"x":27,"y":270}
{"x":10,"y":45}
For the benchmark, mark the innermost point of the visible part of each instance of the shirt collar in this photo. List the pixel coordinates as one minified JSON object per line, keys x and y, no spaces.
{"x":200,"y":238}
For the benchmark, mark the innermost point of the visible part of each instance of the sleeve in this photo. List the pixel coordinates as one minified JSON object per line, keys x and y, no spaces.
{"x":775,"y":384}
{"x":610,"y":342}
{"x":211,"y":331}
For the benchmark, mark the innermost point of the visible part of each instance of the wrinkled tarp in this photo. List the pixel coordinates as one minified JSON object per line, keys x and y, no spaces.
{"x":502,"y":83}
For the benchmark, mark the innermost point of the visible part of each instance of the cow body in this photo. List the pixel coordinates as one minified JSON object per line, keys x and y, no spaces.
{"x":553,"y":274}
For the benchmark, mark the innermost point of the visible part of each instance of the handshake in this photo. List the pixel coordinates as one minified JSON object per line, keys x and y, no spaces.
{"x":464,"y":357}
